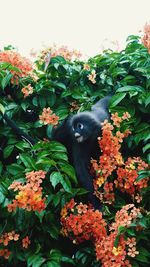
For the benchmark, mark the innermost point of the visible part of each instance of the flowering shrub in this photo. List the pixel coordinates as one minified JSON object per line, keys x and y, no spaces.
{"x":29,"y":196}
{"x":107,"y":251}
{"x":37,"y":182}
{"x":126,"y":173}
{"x":81,"y":222}
{"x":63,"y":51}
{"x":23,"y":66}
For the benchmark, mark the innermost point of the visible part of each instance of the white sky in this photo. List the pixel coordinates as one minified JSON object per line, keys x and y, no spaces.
{"x":79,"y":24}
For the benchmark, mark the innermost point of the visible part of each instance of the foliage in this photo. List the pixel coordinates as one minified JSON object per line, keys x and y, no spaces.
{"x":30,"y":233}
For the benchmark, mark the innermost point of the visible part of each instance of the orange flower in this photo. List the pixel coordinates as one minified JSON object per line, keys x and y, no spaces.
{"x":126,"y":116}
{"x":15,"y":59}
{"x":116,"y":119}
{"x":27,"y":90}
{"x":13,"y":236}
{"x":5,"y":253}
{"x":132,"y":252}
{"x":48,"y":118}
{"x":81,"y":222}
{"x":117,"y":250}
{"x":26,"y":242}
{"x":7,"y":237}
{"x":59,"y":51}
{"x":86,"y":66}
{"x":92,"y":76}
{"x":100,"y":181}
{"x":29,"y":196}
{"x":146,"y":37}
{"x":16,"y":186}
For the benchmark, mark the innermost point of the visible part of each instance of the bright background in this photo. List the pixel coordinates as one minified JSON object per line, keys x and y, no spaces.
{"x":86,"y":25}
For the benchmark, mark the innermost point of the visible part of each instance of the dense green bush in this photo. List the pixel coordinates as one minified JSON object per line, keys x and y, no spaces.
{"x":66,"y":86}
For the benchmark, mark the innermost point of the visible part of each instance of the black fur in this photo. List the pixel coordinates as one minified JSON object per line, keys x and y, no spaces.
{"x":79,"y":134}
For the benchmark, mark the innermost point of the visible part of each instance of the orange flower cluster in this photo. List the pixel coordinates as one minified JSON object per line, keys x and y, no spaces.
{"x":16,"y":60}
{"x":111,"y":160}
{"x":27,"y":90}
{"x":5,"y":253}
{"x":11,"y":236}
{"x":125,"y":217}
{"x":7,"y":237}
{"x":80,"y":222}
{"x":146,"y":37}
{"x":92,"y":76}
{"x":127,"y":175}
{"x":111,"y":255}
{"x":132,"y":252}
{"x":26,"y":242}
{"x":48,"y":118}
{"x":29,"y":196}
{"x":61,"y":51}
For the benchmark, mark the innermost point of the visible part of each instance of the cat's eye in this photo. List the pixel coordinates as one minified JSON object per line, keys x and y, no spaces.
{"x":79,"y":125}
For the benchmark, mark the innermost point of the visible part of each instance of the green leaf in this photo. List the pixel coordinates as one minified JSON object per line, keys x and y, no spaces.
{"x":22,"y":145}
{"x":51,"y":99}
{"x":2,"y":197}
{"x":116,"y":99}
{"x":135,"y":264}
{"x":147,"y":101}
{"x":60,"y":156}
{"x":67,"y":260}
{"x":35,"y":260}
{"x":5,"y":81}
{"x":69,"y":170}
{"x":52,"y":264}
{"x":60,"y":85}
{"x":55,"y":255}
{"x":28,"y":161}
{"x":130,"y":231}
{"x":15,"y":169}
{"x":35,"y":101}
{"x":142,"y":127}
{"x":143,"y":174}
{"x":143,"y":223}
{"x":56,"y":178}
{"x":49,"y":131}
{"x":54,"y":232}
{"x":146,"y":147}
{"x":121,"y":229}
{"x":56,"y":147}
{"x":145,"y":135}
{"x":129,"y":88}
{"x":7,"y":151}
{"x":42,"y":101}
{"x":67,"y":185}
{"x":142,"y":258}
{"x":2,"y":109}
{"x":1,"y":167}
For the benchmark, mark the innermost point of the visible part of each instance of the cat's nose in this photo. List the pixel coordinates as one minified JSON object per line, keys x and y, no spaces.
{"x":76,"y":134}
